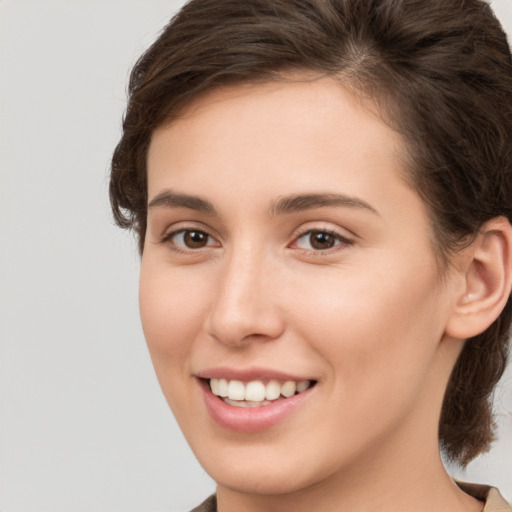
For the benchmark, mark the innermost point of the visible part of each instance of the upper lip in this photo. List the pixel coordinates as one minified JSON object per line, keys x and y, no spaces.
{"x":247,"y":374}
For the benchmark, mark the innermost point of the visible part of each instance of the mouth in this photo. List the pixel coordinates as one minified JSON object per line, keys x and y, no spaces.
{"x":256,"y":393}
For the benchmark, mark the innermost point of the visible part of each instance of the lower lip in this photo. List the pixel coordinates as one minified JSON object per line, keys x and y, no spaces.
{"x":251,"y":419}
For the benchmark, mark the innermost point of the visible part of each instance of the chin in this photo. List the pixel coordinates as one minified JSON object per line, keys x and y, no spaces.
{"x":257,"y":470}
{"x":260,"y":481}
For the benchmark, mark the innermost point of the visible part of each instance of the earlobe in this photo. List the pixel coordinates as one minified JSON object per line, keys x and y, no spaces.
{"x":487,"y":281}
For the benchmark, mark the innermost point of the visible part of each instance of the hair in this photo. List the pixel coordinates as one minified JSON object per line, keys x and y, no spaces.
{"x":440,"y":72}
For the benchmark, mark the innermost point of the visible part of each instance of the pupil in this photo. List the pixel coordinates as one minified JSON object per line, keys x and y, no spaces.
{"x":321,"y":240}
{"x":195,"y":239}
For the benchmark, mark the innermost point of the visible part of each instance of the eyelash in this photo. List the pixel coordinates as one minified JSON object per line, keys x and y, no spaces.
{"x":168,"y":240}
{"x":340,"y":241}
{"x":181,"y":248}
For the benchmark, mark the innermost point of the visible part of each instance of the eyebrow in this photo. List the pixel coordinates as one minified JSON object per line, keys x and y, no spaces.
{"x":301,"y":202}
{"x":283,"y":205}
{"x":174,"y":200}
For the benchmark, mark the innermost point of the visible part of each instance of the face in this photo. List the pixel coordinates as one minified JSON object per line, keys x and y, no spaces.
{"x":288,"y":267}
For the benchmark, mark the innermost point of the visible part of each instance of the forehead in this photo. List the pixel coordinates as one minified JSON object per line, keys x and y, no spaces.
{"x":293,"y":128}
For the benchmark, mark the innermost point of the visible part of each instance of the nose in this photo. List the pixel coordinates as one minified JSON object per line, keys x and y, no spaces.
{"x":246,"y":306}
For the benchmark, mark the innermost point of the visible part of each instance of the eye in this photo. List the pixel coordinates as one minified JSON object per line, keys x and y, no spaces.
{"x":320,"y":240}
{"x":191,"y":239}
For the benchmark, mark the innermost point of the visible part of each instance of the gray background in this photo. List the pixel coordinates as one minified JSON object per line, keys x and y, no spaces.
{"x":83,"y":425}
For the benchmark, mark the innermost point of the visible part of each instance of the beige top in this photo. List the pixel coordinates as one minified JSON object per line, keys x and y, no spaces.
{"x":494,"y":501}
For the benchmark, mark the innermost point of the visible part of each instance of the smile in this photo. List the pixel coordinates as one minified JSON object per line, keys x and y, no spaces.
{"x":256,"y":393}
{"x":251,"y":405}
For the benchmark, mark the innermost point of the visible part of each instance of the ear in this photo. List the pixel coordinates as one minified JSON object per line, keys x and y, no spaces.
{"x":487,"y":280}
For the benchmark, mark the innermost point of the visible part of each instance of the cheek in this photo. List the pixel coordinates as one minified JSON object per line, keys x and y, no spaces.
{"x":368,"y":323}
{"x":172,"y":309}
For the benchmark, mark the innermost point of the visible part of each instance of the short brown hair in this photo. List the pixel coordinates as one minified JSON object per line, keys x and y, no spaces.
{"x":440,"y":70}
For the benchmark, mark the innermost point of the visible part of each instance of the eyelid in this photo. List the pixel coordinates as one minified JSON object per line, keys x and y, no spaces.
{"x":183,"y":227}
{"x":344,"y":240}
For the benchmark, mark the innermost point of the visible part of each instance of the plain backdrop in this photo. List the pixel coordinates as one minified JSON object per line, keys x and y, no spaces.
{"x":83,"y":424}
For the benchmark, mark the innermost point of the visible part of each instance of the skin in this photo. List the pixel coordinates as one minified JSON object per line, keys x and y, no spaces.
{"x":366,"y":318}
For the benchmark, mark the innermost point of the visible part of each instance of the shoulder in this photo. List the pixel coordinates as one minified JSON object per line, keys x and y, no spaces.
{"x":208,"y":505}
{"x":494,"y":501}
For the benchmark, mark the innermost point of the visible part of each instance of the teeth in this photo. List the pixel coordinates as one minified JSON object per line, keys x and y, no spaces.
{"x":236,"y":390}
{"x":255,"y":393}
{"x":222,"y":387}
{"x":246,"y":403}
{"x":302,"y":386}
{"x":273,"y":390}
{"x":214,"y":385}
{"x":288,"y":388}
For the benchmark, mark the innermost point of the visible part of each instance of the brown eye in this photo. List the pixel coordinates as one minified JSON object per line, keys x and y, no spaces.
{"x":195,"y":239}
{"x":191,"y":239}
{"x":320,"y":240}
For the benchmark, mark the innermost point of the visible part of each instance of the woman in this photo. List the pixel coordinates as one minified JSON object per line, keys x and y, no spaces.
{"x":322,"y":192}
